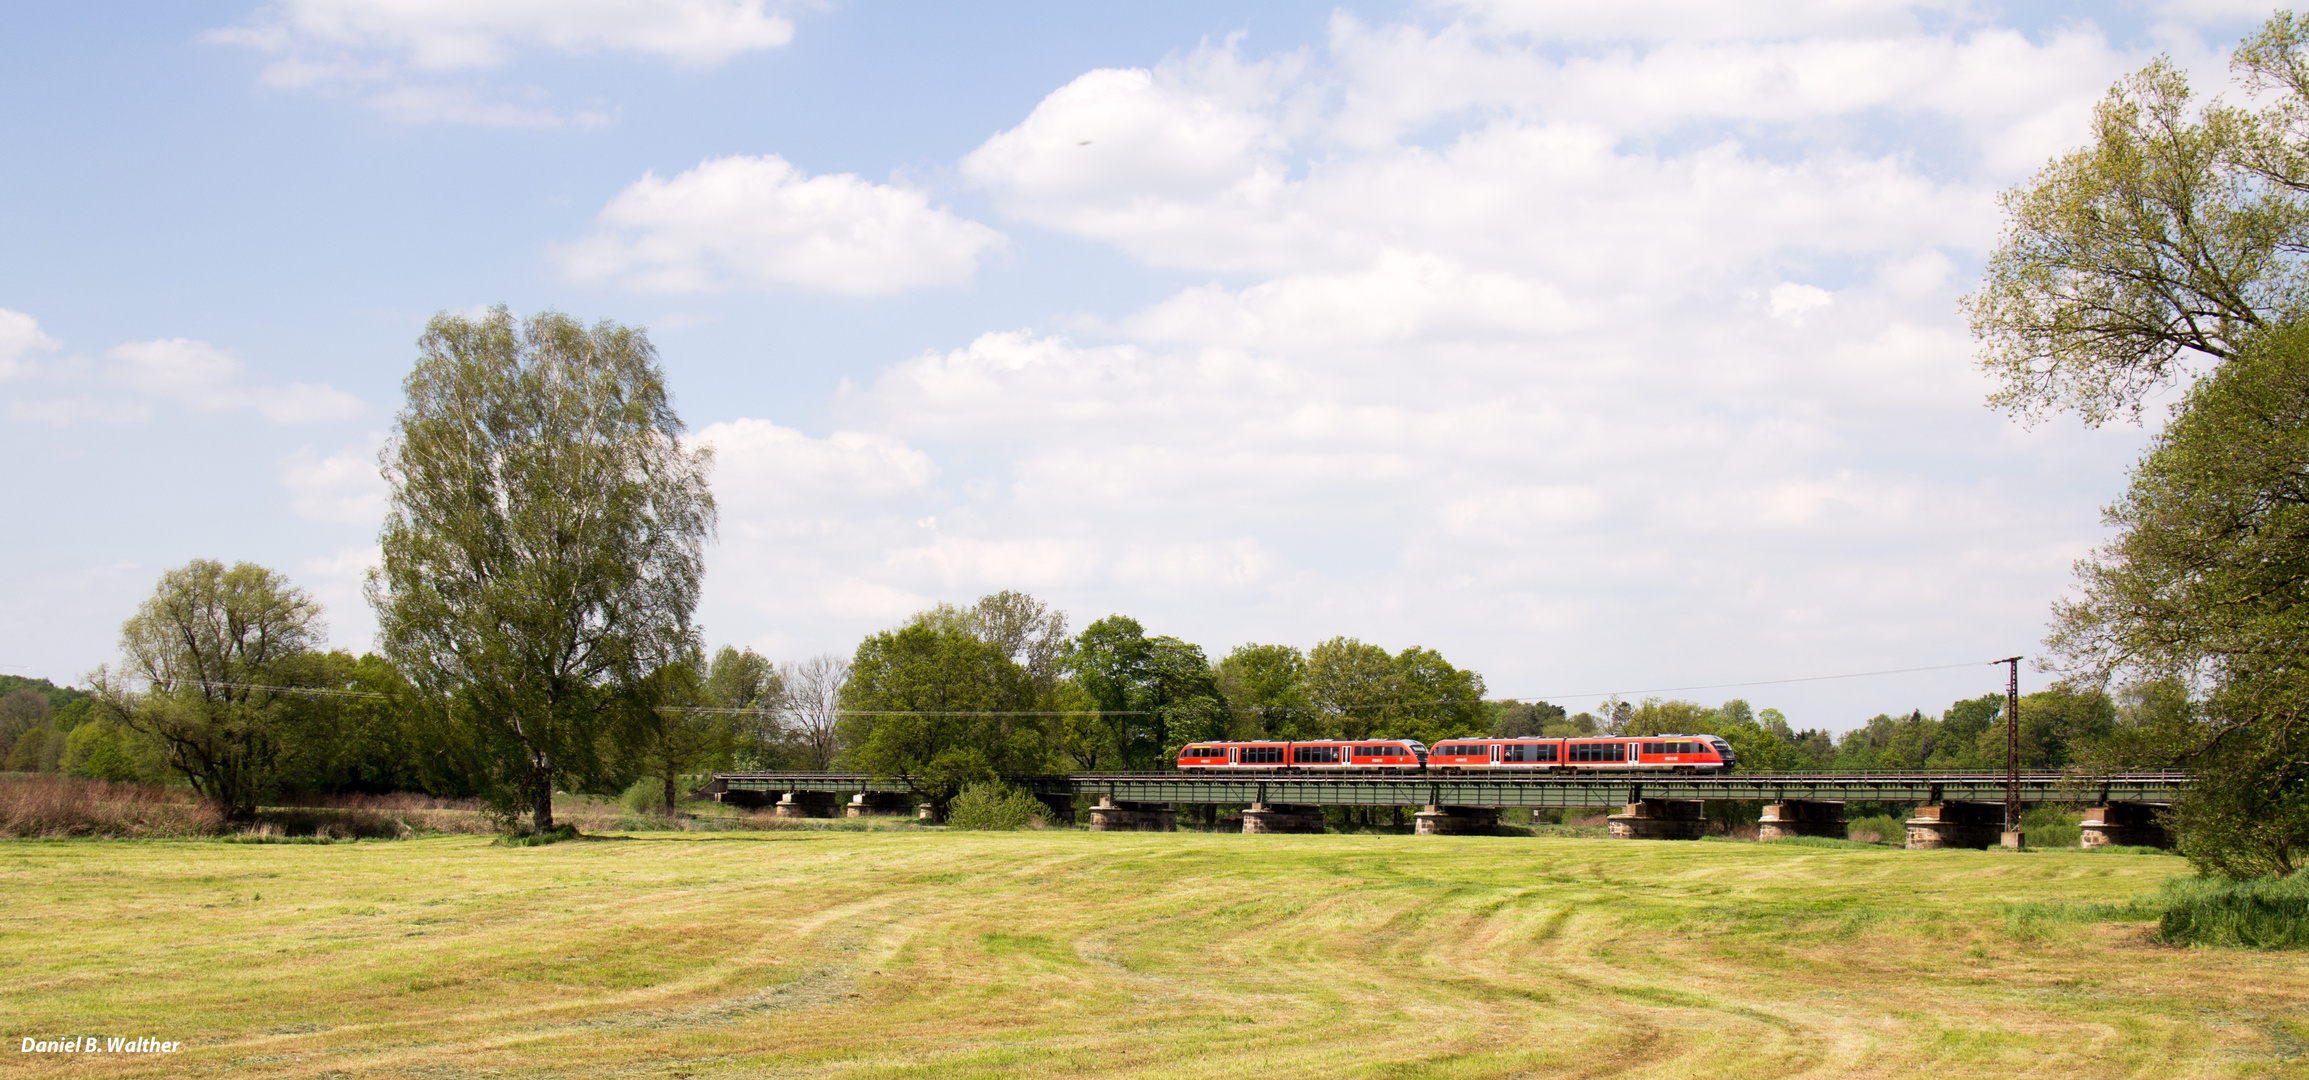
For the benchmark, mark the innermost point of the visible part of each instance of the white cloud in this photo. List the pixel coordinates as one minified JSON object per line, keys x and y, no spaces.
{"x":1660,"y":20}
{"x":19,"y":336}
{"x":209,"y":378}
{"x":344,"y":487}
{"x":1790,"y":302}
{"x":760,"y":222}
{"x":397,"y":51}
{"x":1593,"y":348}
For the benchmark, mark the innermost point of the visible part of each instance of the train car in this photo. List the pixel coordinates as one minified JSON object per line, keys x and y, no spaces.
{"x":1646,"y":753}
{"x":1486,"y":755}
{"x":1376,"y":755}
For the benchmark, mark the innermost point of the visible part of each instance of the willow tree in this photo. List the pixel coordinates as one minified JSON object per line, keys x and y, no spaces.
{"x":544,"y":545}
{"x":211,"y":663}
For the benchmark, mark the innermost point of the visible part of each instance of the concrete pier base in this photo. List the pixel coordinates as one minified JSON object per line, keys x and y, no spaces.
{"x":877,"y":804}
{"x":1455,"y":821}
{"x":1282,"y":818}
{"x":1659,"y":819}
{"x":926,"y":812}
{"x":806,"y":804}
{"x":1797,"y":817}
{"x":2127,"y":824}
{"x":1956,"y":825}
{"x":1111,"y":816}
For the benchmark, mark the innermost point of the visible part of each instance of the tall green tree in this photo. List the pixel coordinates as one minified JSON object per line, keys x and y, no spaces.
{"x":1266,"y":687}
{"x":2176,"y":232}
{"x":544,"y":546}
{"x":2207,"y":583}
{"x":1436,"y":700}
{"x":1355,"y":686}
{"x":712,"y":715}
{"x":211,"y":668}
{"x":937,"y":708}
{"x":1153,"y":694}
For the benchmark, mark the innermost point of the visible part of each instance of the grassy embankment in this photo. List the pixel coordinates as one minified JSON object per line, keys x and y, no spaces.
{"x":921,"y":954}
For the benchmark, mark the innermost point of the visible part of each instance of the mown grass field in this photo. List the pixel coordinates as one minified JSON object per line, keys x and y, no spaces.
{"x":931,"y":954}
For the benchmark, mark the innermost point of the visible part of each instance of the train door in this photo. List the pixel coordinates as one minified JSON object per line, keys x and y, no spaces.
{"x":1496,"y":750}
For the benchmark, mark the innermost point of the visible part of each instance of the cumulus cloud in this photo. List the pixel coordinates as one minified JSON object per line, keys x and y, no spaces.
{"x":20,"y":336}
{"x":1591,"y":346}
{"x":206,"y":377}
{"x":395,"y":51}
{"x":761,"y":222}
{"x":343,"y":487}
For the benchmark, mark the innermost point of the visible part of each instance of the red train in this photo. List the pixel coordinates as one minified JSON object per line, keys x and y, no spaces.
{"x":1635,"y":753}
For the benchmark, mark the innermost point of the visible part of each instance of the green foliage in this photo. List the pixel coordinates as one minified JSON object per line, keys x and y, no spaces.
{"x":2171,"y":232}
{"x":643,"y":796}
{"x":712,"y":717}
{"x":2209,"y":582}
{"x":2269,"y":913}
{"x":1512,"y":719}
{"x":937,"y":708}
{"x":1153,"y":694}
{"x":539,"y":838}
{"x":105,"y":749}
{"x":543,"y":549}
{"x":995,"y":807}
{"x":1886,"y":828}
{"x":203,"y":661}
{"x":1266,"y":687}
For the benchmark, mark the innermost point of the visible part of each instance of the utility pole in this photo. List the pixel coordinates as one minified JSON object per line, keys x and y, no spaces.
{"x":2012,"y":836}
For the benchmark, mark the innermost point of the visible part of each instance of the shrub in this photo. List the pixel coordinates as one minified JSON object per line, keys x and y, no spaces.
{"x":646,"y":797}
{"x":1878,"y":829}
{"x":996,"y":807}
{"x":538,"y":839}
{"x":2263,"y":913}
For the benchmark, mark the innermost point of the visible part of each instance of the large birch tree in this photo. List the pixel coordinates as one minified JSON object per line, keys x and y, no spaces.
{"x":544,"y":547}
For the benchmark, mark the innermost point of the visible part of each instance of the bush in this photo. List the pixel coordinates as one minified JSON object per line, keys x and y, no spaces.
{"x":2265,"y":913}
{"x":645,"y":797}
{"x":995,"y":807}
{"x":538,"y":839}
{"x":1878,"y":829}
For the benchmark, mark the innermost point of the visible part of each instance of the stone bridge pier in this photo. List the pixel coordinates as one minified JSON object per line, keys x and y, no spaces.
{"x":1659,"y":819}
{"x":879,"y":804}
{"x":1282,"y":818}
{"x":807,"y":804}
{"x":1111,"y":816}
{"x":1802,"y":817}
{"x":2124,"y":824}
{"x":1956,"y":825}
{"x":1435,"y":820}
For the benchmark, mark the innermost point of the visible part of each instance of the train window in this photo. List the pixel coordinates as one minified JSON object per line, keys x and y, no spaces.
{"x":1592,"y":752}
{"x":1528,"y":752}
{"x":1262,"y":755}
{"x":1456,"y":750}
{"x":1201,"y":751}
{"x":1378,"y":751}
{"x":1316,"y":755}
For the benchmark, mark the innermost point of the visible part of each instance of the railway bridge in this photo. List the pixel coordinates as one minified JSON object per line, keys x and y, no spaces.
{"x":1952,"y":809}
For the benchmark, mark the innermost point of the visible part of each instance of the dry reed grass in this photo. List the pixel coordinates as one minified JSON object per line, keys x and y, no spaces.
{"x":56,"y":806}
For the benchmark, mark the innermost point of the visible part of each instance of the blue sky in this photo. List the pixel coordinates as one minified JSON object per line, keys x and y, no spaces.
{"x":1598,"y":347}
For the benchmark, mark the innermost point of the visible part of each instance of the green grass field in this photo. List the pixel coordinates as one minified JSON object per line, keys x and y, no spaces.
{"x":932,"y":954}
